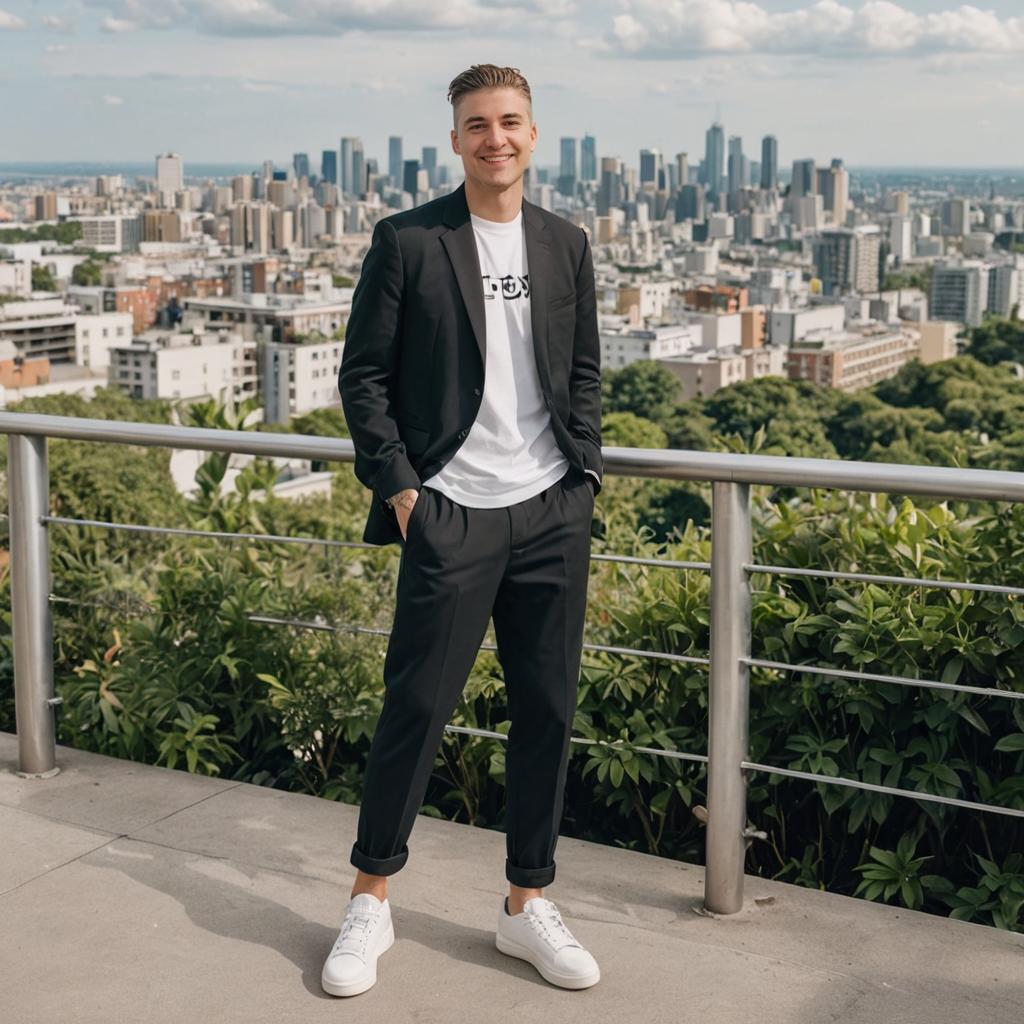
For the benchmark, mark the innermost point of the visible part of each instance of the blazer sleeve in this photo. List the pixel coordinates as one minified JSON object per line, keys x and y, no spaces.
{"x":369,"y":369}
{"x":585,"y":374}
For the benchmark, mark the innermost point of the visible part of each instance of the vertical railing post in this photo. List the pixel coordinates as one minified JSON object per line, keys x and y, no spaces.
{"x":731,"y":550}
{"x":28,"y":488}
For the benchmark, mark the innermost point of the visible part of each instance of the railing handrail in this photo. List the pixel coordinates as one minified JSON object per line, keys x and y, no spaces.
{"x":731,"y":567}
{"x":664,"y":463}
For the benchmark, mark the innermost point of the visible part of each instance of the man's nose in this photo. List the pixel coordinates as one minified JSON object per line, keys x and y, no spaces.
{"x":495,"y":137}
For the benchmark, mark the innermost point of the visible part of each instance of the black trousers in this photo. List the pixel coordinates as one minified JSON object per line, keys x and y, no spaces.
{"x":527,"y":565}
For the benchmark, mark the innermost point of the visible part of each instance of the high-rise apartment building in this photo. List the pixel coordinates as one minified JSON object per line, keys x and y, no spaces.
{"x":1006,"y":288}
{"x":847,"y":261}
{"x":45,"y":206}
{"x":956,"y":216}
{"x":769,"y":162}
{"x":170,"y":177}
{"x":959,"y":292}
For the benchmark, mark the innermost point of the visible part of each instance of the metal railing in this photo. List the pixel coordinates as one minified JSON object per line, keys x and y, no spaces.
{"x":731,"y":568}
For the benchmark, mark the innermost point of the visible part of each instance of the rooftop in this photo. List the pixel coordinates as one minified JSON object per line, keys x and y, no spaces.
{"x":133,"y":893}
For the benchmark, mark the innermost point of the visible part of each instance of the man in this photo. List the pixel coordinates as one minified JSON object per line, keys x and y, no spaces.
{"x":470,"y":381}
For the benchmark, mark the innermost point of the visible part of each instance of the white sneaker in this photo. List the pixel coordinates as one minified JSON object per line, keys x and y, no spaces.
{"x":539,"y":936}
{"x":366,"y":932}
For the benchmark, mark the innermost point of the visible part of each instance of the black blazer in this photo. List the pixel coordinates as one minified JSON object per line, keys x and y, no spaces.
{"x":412,"y":366}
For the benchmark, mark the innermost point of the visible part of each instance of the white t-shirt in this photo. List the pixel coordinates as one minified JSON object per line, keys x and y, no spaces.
{"x":510,"y":453}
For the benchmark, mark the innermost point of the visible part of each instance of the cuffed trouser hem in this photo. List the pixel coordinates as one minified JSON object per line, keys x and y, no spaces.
{"x":378,"y":865}
{"x":529,"y":878}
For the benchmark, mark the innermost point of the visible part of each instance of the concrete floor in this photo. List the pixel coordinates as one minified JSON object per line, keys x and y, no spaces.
{"x":137,"y":894}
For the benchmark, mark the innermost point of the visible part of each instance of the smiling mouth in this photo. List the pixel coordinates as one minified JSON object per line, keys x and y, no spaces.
{"x":504,"y":158}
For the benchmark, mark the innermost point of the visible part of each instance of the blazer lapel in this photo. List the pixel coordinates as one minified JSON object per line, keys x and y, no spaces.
{"x":460,"y":245}
{"x":538,"y":263}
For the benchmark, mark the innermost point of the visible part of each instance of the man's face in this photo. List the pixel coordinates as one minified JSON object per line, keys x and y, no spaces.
{"x":495,"y":136}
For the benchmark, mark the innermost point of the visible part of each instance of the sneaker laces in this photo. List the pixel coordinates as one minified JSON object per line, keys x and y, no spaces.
{"x":548,"y":921}
{"x":355,"y":931}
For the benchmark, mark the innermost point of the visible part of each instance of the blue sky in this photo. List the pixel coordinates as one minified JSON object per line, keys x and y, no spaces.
{"x":877,"y":82}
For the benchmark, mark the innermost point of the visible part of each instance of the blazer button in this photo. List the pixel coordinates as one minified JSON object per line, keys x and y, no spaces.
{"x":476,"y":391}
{"x":462,"y":433}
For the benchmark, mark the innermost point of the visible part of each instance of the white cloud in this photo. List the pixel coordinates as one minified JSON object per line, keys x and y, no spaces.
{"x":117,"y":26}
{"x":10,"y":21}
{"x":55,"y":24}
{"x":57,"y":48}
{"x":686,"y":28}
{"x":113,"y":101}
{"x":319,"y":17}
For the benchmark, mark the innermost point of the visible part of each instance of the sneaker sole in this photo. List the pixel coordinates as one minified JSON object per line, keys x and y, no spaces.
{"x":511,"y":948}
{"x":353,"y":988}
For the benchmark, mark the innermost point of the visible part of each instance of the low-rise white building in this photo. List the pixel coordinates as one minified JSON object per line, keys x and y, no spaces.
{"x":300,"y":378}
{"x":789,"y":325}
{"x":191,"y":366}
{"x":96,"y":334}
{"x":627,"y":344}
{"x":40,"y":327}
{"x":272,"y":318}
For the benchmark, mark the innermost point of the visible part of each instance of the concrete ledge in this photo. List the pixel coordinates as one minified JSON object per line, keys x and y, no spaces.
{"x":137,"y":894}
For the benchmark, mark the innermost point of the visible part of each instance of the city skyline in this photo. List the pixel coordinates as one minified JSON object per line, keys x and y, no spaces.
{"x":882,"y":84}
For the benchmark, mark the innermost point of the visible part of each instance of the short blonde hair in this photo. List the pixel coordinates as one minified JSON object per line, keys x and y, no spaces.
{"x":487,"y":76}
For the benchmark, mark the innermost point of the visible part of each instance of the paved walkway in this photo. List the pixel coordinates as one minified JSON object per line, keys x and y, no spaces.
{"x":141,"y":895}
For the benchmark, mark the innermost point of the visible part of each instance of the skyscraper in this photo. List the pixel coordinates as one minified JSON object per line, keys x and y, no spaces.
{"x":395,"y":159}
{"x":588,"y":158}
{"x":769,"y":162}
{"x":567,"y":167}
{"x":429,"y":164}
{"x":804,"y":179}
{"x":300,"y":162}
{"x":683,"y":169}
{"x":738,"y":176}
{"x":837,"y":191}
{"x":648,"y":167}
{"x":690,"y":203}
{"x":351,"y":167}
{"x":410,"y":176}
{"x":609,"y":192}
{"x":170,"y":177}
{"x":358,"y":168}
{"x":329,"y":166}
{"x":714,"y":159}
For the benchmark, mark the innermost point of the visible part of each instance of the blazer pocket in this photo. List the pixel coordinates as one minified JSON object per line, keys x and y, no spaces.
{"x":561,"y":302}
